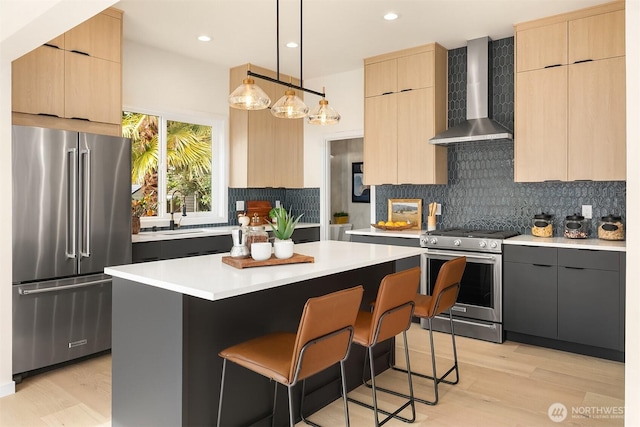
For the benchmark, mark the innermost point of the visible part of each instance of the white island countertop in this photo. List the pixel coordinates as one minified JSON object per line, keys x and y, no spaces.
{"x":209,"y":278}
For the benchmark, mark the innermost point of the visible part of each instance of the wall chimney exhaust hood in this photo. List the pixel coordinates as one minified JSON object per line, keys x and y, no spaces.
{"x":478,"y":126}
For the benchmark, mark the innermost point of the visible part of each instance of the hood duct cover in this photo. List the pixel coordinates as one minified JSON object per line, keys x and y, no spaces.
{"x":478,"y":126}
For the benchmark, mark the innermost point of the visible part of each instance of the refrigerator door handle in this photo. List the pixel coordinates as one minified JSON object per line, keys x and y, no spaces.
{"x":62,"y":288}
{"x":85,"y":250}
{"x":72,"y":203}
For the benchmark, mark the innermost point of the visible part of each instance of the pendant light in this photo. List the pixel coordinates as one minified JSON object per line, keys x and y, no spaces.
{"x":289,"y":106}
{"x":249,"y":96}
{"x":323,"y":114}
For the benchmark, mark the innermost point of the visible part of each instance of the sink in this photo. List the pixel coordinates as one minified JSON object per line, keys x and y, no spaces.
{"x":180,"y":232}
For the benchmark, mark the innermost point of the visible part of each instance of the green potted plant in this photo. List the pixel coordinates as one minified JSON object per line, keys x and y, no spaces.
{"x":340,"y":217}
{"x":282,"y":225}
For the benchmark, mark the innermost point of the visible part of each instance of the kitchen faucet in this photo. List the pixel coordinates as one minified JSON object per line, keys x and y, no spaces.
{"x":172,"y":223}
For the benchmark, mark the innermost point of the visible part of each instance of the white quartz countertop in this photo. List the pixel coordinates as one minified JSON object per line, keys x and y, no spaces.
{"x":376,"y":232}
{"x":563,"y":242}
{"x":187,"y":233}
{"x":209,"y":278}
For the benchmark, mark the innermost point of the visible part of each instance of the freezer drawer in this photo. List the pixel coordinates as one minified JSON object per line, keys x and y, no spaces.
{"x":57,"y":321}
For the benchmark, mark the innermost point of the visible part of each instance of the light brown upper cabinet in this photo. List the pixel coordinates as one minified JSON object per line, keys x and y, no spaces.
{"x":99,"y":37}
{"x":74,"y":81}
{"x":570,"y":113}
{"x":265,"y":151}
{"x":405,"y":106}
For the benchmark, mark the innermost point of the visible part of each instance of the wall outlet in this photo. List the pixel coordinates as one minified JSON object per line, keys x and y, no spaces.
{"x":586,"y":211}
{"x":277,"y":203}
{"x":240,"y":205}
{"x":438,"y":209}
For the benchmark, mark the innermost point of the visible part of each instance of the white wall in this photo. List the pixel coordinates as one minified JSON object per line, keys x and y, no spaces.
{"x":632,"y":353}
{"x":24,"y":26}
{"x":157,"y":80}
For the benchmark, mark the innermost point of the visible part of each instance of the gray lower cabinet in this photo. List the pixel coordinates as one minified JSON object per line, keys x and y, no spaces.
{"x":569,"y":295}
{"x":194,"y":246}
{"x":180,"y":248}
{"x":402,"y":264}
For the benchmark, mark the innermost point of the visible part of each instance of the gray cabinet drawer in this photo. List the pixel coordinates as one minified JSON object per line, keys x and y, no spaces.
{"x":583,"y":258}
{"x":530,"y":255}
{"x":395,"y":241}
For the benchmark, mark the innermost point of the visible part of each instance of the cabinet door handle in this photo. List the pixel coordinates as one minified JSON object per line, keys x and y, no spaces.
{"x":543,"y":265}
{"x":552,"y":66}
{"x":573,"y":268}
{"x":80,"y":118}
{"x":48,"y":115}
{"x":80,"y":52}
{"x":51,"y":45}
{"x":387,"y":93}
{"x":583,"y":60}
{"x":406,"y":90}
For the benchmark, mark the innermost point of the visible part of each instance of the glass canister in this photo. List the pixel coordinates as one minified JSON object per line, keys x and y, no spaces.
{"x":611,"y":227}
{"x":576,"y":227}
{"x":256,"y":232}
{"x":542,"y":225}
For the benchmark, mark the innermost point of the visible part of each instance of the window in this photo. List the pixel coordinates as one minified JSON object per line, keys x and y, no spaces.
{"x":177,"y":165}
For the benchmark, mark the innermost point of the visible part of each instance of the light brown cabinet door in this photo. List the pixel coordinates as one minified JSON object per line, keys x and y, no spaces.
{"x":37,"y":85}
{"x":381,"y":78}
{"x":381,"y":140}
{"x":57,"y":42}
{"x":415,"y":71}
{"x":597,"y":124}
{"x":597,"y":37}
{"x":541,"y":47}
{"x":541,"y":125}
{"x":416,"y":157}
{"x":99,"y":36}
{"x":92,"y":89}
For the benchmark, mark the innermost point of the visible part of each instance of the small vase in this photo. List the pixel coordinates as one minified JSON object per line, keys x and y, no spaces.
{"x":135,"y":224}
{"x":283,"y":249}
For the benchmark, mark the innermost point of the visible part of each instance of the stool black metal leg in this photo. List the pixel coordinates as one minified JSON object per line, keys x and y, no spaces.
{"x":224,"y":368}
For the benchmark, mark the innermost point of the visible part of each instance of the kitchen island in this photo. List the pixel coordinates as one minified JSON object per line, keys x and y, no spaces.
{"x":171,"y":318}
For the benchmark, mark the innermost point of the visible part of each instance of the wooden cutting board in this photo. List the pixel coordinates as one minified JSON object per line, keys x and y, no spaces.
{"x":250,"y":262}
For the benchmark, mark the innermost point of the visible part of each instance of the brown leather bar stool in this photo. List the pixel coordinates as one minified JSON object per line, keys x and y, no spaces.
{"x":391,"y":316}
{"x":323,"y":339}
{"x":443,"y":297}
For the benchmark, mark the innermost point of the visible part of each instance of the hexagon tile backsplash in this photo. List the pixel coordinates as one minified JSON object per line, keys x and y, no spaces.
{"x":481,"y":192}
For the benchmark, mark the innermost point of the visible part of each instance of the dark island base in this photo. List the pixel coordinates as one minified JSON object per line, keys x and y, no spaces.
{"x":587,"y":350}
{"x":166,"y":368}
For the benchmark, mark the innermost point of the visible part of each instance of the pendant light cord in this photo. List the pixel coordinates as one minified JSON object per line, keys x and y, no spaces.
{"x":301,"y":82}
{"x":278,"y":39}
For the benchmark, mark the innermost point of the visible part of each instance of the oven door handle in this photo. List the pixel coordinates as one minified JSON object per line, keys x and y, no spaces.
{"x":459,"y":254}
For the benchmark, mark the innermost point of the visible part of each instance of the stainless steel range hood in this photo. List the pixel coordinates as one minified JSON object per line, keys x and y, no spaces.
{"x":478,"y":126}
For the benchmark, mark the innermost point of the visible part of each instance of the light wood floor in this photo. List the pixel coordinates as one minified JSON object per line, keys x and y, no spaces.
{"x":506,"y":384}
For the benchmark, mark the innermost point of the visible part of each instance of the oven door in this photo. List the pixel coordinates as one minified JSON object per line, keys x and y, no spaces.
{"x":480,"y":296}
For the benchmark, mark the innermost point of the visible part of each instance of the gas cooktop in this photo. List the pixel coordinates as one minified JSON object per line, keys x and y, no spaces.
{"x":480,"y":234}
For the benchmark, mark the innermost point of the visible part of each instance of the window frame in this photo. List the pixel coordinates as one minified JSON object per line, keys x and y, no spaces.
{"x":219,"y":168}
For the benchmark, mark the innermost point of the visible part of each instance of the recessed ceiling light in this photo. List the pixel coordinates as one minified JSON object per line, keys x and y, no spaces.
{"x":391,"y":16}
{"x":292,"y":45}
{"x":204,"y":38}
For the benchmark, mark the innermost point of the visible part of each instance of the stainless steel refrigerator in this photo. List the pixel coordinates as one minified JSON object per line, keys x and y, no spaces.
{"x":71,"y":218}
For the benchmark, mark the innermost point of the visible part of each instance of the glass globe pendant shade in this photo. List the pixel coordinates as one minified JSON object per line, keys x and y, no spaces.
{"x":323,"y":114}
{"x":289,"y":106}
{"x":249,"y":96}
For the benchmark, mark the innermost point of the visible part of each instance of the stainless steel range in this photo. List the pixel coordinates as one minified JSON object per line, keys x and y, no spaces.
{"x":478,"y":311}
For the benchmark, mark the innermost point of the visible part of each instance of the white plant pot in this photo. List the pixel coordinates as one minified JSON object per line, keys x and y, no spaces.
{"x":283,"y":249}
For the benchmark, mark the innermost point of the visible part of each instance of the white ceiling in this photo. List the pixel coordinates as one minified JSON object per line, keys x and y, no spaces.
{"x":338,"y":34}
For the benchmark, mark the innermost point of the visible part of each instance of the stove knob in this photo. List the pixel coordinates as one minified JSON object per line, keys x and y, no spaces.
{"x":433,"y":241}
{"x":457,"y":242}
{"x":483,"y":244}
{"x":494,"y":244}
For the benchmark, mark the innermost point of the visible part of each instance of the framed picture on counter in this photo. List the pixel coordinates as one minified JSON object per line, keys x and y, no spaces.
{"x":360,"y":193}
{"x":409,"y":210}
